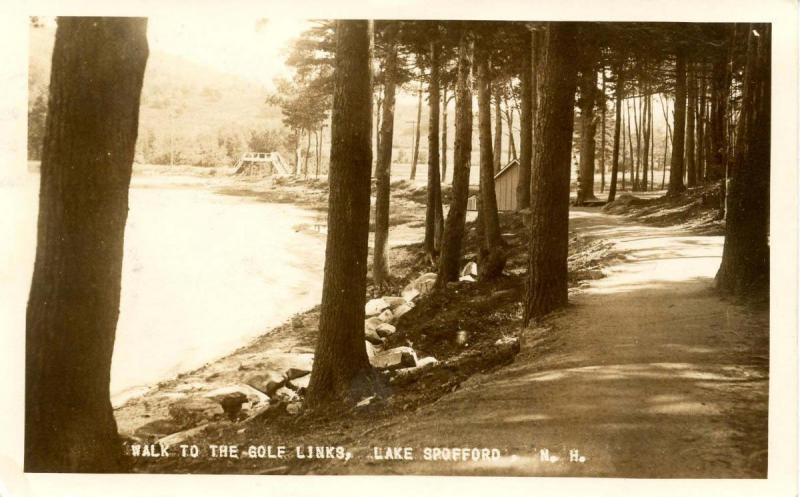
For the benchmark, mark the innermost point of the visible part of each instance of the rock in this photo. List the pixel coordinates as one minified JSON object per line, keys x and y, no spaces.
{"x":372,"y":323}
{"x":462,"y":337}
{"x":467,"y":278}
{"x":370,"y":350}
{"x":427,"y":361}
{"x":394,"y":302}
{"x":267,"y":382}
{"x":402,"y":310}
{"x":293,"y":373}
{"x":375,"y":307}
{"x":301,"y":350}
{"x":371,"y":335}
{"x":193,"y":410}
{"x":158,"y":428}
{"x":284,"y":394}
{"x":300,"y":385}
{"x":233,"y":397}
{"x":294,"y":408}
{"x":395,"y":358}
{"x":470,"y":269}
{"x":386,"y":316}
{"x":385,"y":329}
{"x":365,"y":401}
{"x":409,"y":294}
{"x":423,"y":284}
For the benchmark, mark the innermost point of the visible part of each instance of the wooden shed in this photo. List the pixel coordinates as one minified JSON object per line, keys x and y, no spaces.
{"x":505,"y":187}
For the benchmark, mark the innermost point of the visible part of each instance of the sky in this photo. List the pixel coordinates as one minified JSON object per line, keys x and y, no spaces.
{"x":253,"y":49}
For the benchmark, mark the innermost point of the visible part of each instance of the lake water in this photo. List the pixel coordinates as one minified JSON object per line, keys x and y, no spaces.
{"x":202,"y":273}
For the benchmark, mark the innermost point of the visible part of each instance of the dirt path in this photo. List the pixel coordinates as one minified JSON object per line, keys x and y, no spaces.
{"x":646,"y":374}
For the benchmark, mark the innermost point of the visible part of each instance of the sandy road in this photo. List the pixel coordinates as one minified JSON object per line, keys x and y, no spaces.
{"x":647,"y":373}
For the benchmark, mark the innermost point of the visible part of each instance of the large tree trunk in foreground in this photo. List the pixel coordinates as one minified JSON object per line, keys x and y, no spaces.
{"x":492,"y":252}
{"x":588,"y":89}
{"x":92,"y":120}
{"x":342,"y":372}
{"x":526,"y":126}
{"x":433,"y":212}
{"x":676,"y":186}
{"x":547,"y":266}
{"x":745,"y":258}
{"x":453,"y":237}
{"x":618,"y":96}
{"x":383,"y":166}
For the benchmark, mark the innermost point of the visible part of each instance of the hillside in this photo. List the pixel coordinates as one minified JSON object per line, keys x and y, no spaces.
{"x":204,"y":111}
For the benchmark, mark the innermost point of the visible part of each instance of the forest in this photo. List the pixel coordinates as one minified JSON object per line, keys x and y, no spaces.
{"x":618,"y":135}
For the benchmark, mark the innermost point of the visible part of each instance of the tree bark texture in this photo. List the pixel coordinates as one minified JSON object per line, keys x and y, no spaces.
{"x":744,"y":270}
{"x":497,"y":148}
{"x":92,"y":120}
{"x":453,"y":236}
{"x":547,"y":267}
{"x":676,"y":186}
{"x":691,"y":104}
{"x":588,"y":126}
{"x":383,"y":166}
{"x":415,"y":157}
{"x":619,"y":94}
{"x":492,"y":253}
{"x":526,"y":126}
{"x":342,"y":372}
{"x":433,"y":212}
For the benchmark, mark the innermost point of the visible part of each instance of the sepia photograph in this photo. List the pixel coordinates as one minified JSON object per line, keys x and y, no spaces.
{"x":265,"y":245}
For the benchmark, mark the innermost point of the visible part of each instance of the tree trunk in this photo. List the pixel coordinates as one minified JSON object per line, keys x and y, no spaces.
{"x":636,"y":116}
{"x":378,"y":107}
{"x":721,"y":82}
{"x":383,"y":166}
{"x":492,"y":252}
{"x":623,"y":163}
{"x":691,"y":83}
{"x":603,"y":133}
{"x":308,"y":153}
{"x":91,"y":126}
{"x":512,"y":148}
{"x":297,"y":152}
{"x":342,"y":372}
{"x":498,"y":131}
{"x":453,"y":236}
{"x":443,"y":154}
{"x":632,"y":165}
{"x":433,"y":212}
{"x":444,"y":135}
{"x":645,"y":139}
{"x":588,"y":125}
{"x":700,"y":166}
{"x":619,"y":94}
{"x":744,"y":270}
{"x":526,"y":127}
{"x":547,"y":266}
{"x":415,"y":157}
{"x":676,"y":186}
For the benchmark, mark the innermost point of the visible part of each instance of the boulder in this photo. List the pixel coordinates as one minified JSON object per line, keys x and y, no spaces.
{"x":267,"y":382}
{"x":375,"y":307}
{"x":468,"y":278}
{"x":423,"y":284}
{"x":409,"y":294}
{"x":294,"y":408}
{"x":284,"y":394}
{"x":470,"y":269}
{"x":158,"y":428}
{"x":385,"y":329}
{"x":427,"y":361}
{"x":386,"y":316}
{"x":182,"y":436}
{"x":193,"y":410}
{"x":396,"y":358}
{"x":372,"y":323}
{"x":402,"y":310}
{"x":371,"y":335}
{"x":370,"y":350}
{"x":394,"y":302}
{"x":232,"y":397}
{"x":293,"y":373}
{"x":300,"y":385}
